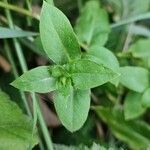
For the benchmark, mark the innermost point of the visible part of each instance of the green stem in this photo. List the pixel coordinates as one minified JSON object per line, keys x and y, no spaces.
{"x":43,"y":127}
{"x":35,"y":117}
{"x":41,"y":144}
{"x":79,"y":5}
{"x":19,"y":10}
{"x":16,"y":43}
{"x":20,"y":55}
{"x":15,"y":72}
{"x":28,"y":3}
{"x":131,"y":20}
{"x":10,"y":58}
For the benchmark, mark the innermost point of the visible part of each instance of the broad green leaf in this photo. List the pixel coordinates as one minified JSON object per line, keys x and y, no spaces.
{"x":103,"y":56}
{"x":72,"y":107}
{"x":57,"y":36}
{"x":133,"y":106}
{"x":140,"y":49}
{"x":146,"y":98}
{"x":92,"y":26}
{"x":15,"y":127}
{"x":38,"y":80}
{"x":135,"y":133}
{"x":134,"y":78}
{"x":86,"y":74}
{"x":14,"y":33}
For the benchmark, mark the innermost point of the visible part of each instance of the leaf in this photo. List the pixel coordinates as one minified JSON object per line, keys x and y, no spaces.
{"x":135,"y":133}
{"x":14,"y":33}
{"x":133,"y":106}
{"x":92,"y":26}
{"x":146,"y":98}
{"x":38,"y":80}
{"x":103,"y":56}
{"x":86,"y":74}
{"x":15,"y":127}
{"x":57,"y":36}
{"x":72,"y":107}
{"x":80,"y":147}
{"x":140,"y":49}
{"x":134,"y":78}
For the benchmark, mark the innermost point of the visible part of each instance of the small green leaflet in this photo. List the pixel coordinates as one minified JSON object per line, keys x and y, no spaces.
{"x":101,"y":55}
{"x":135,"y":133}
{"x":140,"y":49}
{"x":146,"y":98}
{"x":133,"y":106}
{"x":57,"y":36}
{"x":36,"y":80}
{"x":134,"y":78}
{"x":15,"y":127}
{"x":73,"y":107}
{"x":14,"y":33}
{"x":86,"y":74}
{"x":92,"y":26}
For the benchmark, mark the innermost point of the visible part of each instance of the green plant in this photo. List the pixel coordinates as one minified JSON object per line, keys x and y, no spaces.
{"x":72,"y":76}
{"x":99,"y":64}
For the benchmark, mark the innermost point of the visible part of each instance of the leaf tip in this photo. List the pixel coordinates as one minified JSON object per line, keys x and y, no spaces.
{"x":13,"y":84}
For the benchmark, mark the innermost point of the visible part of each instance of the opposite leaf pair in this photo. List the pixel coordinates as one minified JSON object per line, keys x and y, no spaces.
{"x":72,"y":77}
